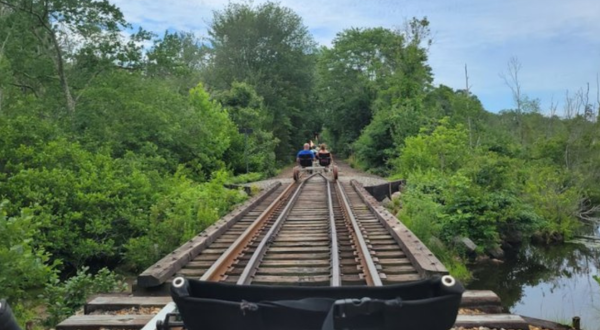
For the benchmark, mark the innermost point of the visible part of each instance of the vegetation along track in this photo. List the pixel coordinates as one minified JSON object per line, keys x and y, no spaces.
{"x":314,"y":232}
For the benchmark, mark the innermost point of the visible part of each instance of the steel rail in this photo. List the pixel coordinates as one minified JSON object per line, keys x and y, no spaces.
{"x":215,"y":272}
{"x":336,"y":277}
{"x":369,"y":268}
{"x":252,"y":266}
{"x":221,"y":265}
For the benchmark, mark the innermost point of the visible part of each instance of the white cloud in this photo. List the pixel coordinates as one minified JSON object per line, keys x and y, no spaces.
{"x":555,"y":40}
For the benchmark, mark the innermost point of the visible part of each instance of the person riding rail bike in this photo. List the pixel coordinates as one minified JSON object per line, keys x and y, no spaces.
{"x":324,"y":156}
{"x":305,"y":157}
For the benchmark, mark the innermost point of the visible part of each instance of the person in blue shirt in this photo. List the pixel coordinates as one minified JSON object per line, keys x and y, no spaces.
{"x":305,"y":153}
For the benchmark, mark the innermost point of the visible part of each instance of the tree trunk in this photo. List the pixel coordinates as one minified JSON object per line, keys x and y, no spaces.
{"x":42,"y":18}
{"x":61,"y":74}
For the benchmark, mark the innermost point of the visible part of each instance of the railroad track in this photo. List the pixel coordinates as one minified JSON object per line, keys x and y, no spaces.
{"x":314,"y":236}
{"x":310,"y":233}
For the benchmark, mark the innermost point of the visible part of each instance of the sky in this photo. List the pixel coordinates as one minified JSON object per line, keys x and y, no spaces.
{"x":557,"y":42}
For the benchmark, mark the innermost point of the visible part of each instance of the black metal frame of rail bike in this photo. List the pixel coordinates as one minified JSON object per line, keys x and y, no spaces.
{"x":7,"y":318}
{"x":425,"y":304}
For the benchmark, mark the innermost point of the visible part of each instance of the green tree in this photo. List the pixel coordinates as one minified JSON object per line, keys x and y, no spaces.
{"x":460,"y":108}
{"x":351,"y":74}
{"x":256,"y":149}
{"x":399,"y":111}
{"x":179,"y":57}
{"x":64,"y":30}
{"x":268,"y":47}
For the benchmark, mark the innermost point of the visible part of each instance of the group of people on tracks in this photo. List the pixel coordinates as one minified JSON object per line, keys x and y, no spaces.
{"x":310,"y":153}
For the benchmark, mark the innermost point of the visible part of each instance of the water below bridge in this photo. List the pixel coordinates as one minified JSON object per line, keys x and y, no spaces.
{"x":550,"y":282}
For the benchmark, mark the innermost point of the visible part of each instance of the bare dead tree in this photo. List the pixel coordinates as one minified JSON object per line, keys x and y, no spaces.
{"x":468,"y":91}
{"x":576,"y":112}
{"x":579,"y":102}
{"x":597,"y":96}
{"x":568,"y":109}
{"x":598,"y":93}
{"x":1,"y":55}
{"x":511,"y":79}
{"x":587,"y":95}
{"x":553,"y":107}
{"x":588,"y":212}
{"x":467,"y":86}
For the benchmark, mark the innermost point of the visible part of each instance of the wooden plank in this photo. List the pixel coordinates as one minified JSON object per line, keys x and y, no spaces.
{"x":302,"y":249}
{"x":395,"y":262}
{"x":386,"y":248}
{"x":111,"y":303}
{"x":191,"y":272}
{"x":399,"y":270}
{"x":292,"y":280}
{"x":421,"y":257}
{"x":90,"y":322}
{"x":483,"y":300}
{"x":295,"y":263}
{"x":293,"y":271}
{"x":544,"y":324}
{"x":506,"y":321}
{"x":472,"y":298}
{"x":390,"y":254}
{"x":292,"y":238}
{"x":296,"y":256}
{"x":393,"y":278}
{"x":278,"y":244}
{"x":169,"y":265}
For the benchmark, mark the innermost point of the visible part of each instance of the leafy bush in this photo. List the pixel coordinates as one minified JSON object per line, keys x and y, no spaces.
{"x":146,"y":116}
{"x":374,"y":146}
{"x":93,"y":208}
{"x":63,"y":299}
{"x":445,"y":149}
{"x":244,"y":178}
{"x":423,"y":213}
{"x":421,"y":205}
{"x":24,"y":266}
{"x":454,"y":190}
{"x":555,"y":197}
{"x":84,"y":203}
{"x":183,"y":211}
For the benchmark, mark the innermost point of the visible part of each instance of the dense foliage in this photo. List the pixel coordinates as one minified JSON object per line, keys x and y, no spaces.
{"x":269,"y":48}
{"x":65,"y":298}
{"x":113,"y":154}
{"x":494,"y":178}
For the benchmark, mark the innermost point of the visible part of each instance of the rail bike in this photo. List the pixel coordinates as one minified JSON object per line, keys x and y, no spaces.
{"x":321,"y":164}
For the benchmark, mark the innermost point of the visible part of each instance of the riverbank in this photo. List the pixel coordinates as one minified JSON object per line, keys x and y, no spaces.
{"x":548,"y":282}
